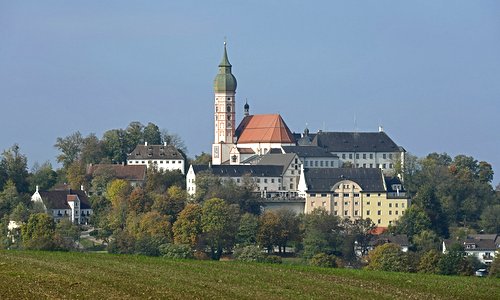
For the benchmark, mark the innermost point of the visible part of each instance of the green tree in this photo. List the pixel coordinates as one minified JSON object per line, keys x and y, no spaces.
{"x":38,"y":232}
{"x":101,"y":178}
{"x":20,"y":213}
{"x":494,"y":270}
{"x":247,"y":230}
{"x":426,"y":240}
{"x":133,"y":136}
{"x":219,"y":223}
{"x":321,"y":233}
{"x":414,"y":221}
{"x":288,"y":228}
{"x":429,"y":262}
{"x":388,"y":257}
{"x":42,"y":176}
{"x":171,"y":203}
{"x":115,"y":145}
{"x":70,"y":148}
{"x":92,"y":150}
{"x":76,"y":175}
{"x":152,"y":134}
{"x":158,"y":181}
{"x":150,"y":230}
{"x":187,"y":228}
{"x":10,"y":198}
{"x":490,"y":219}
{"x":324,"y":260}
{"x":202,"y":159}
{"x":454,"y":262}
{"x":356,"y":234}
{"x":269,"y":228}
{"x":427,"y":200}
{"x":65,"y":235}
{"x":13,"y":166}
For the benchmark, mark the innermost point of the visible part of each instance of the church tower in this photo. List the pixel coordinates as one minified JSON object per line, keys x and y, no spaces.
{"x":224,"y":111}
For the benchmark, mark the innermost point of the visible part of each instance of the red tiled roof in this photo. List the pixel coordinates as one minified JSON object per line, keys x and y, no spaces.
{"x":264,"y":129}
{"x":378,"y":230}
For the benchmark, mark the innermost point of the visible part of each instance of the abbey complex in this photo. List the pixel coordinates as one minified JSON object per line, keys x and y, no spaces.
{"x":349,"y":174}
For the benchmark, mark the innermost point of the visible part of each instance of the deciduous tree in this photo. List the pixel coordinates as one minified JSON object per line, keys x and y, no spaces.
{"x":187,"y":228}
{"x":13,"y":166}
{"x":38,"y":232}
{"x":219,"y":223}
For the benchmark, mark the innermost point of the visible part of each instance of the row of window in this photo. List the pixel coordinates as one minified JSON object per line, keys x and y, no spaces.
{"x":156,"y":162}
{"x":280,"y":188}
{"x":379,"y":212}
{"x":355,"y":195}
{"x":319,"y":163}
{"x":265,"y":180}
{"x":356,"y":203}
{"x":365,"y":156}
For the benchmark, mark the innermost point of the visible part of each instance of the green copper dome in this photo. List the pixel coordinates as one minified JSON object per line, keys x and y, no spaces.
{"x":225,"y":80}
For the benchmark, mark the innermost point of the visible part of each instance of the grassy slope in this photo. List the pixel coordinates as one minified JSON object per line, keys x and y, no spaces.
{"x":52,"y":275}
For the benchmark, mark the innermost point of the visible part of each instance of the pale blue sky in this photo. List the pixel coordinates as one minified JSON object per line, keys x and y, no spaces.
{"x":428,"y":71}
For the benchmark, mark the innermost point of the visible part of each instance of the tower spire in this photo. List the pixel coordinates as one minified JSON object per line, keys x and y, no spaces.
{"x":224,"y":117}
{"x":225,"y":61}
{"x":246,"y":108}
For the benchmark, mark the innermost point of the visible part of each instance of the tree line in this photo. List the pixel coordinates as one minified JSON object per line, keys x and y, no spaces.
{"x":451,"y":197}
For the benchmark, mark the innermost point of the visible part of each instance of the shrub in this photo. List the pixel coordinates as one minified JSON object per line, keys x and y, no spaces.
{"x":200,"y":255}
{"x":323,"y":260}
{"x":495,"y":268}
{"x":429,"y":262}
{"x":254,"y":254}
{"x":176,"y":251}
{"x":272,"y":259}
{"x":388,"y":257}
{"x":250,"y":253}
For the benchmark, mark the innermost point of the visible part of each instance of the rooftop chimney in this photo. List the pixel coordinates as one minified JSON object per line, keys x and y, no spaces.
{"x":380,"y":129}
{"x":145,"y":143}
{"x":164,"y":143}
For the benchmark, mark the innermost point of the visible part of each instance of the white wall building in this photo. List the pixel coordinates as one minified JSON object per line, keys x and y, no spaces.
{"x":69,"y":204}
{"x":162,"y":157}
{"x":483,"y":246}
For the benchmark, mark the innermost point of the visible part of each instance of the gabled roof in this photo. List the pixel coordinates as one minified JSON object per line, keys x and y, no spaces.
{"x":355,"y":142}
{"x":155,"y":152}
{"x":264,"y":129}
{"x":59,"y":199}
{"x":389,"y":181}
{"x":126,"y":172}
{"x":283,"y":160}
{"x":481,"y":242}
{"x":322,"y":179}
{"x":240,"y":170}
{"x":308,"y":151}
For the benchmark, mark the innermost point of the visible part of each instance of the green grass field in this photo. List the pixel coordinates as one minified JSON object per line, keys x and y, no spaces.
{"x":56,"y":275}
